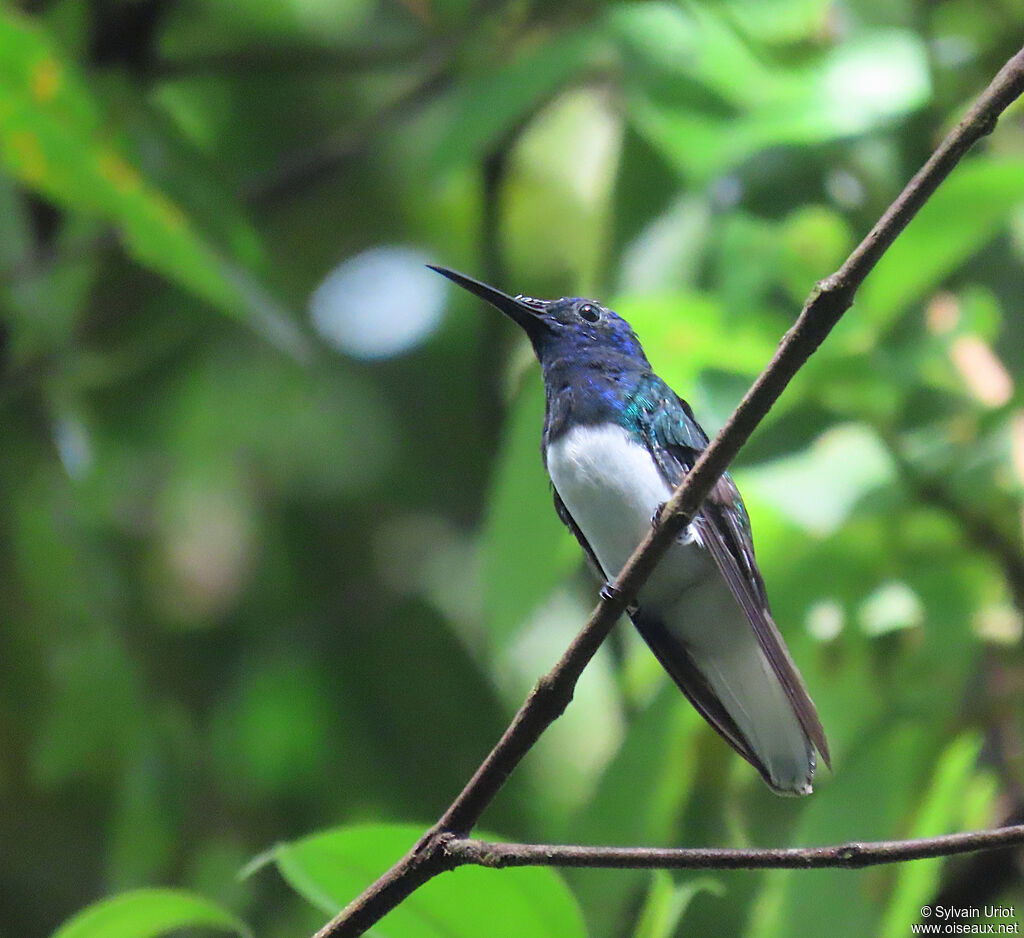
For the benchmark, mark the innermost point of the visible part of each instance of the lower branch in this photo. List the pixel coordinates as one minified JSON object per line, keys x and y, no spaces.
{"x":844,"y":856}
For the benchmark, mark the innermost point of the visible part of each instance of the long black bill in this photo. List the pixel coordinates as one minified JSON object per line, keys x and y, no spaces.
{"x":515,"y":309}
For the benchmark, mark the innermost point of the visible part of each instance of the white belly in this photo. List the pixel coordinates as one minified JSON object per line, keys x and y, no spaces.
{"x":611,"y":487}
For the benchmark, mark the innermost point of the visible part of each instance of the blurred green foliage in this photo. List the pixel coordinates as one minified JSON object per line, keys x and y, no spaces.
{"x":272,"y":572}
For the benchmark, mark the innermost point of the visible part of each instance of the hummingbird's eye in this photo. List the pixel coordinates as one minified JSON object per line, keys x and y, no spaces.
{"x":589,"y":313}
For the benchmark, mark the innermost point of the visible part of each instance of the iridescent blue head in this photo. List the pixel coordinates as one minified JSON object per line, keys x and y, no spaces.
{"x":570,"y":328}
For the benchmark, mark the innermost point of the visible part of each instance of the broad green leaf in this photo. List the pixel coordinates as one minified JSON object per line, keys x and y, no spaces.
{"x":613,"y":814}
{"x":54,"y":138}
{"x":639,"y":799}
{"x":685,"y":332}
{"x":696,"y":145}
{"x":966,"y":212}
{"x":330,"y":869}
{"x":779,"y":21}
{"x":556,"y":198}
{"x":941,"y":813}
{"x":855,"y":87}
{"x":487,"y":107}
{"x":814,"y":241}
{"x":691,"y":41}
{"x":875,"y":784}
{"x":820,"y":487}
{"x":667,"y":901}
{"x":146,"y":913}
{"x":526,"y":550}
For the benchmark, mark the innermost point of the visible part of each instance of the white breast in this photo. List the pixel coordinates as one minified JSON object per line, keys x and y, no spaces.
{"x":611,"y":487}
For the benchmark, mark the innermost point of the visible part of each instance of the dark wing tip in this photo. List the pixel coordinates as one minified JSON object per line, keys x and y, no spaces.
{"x":821,"y":744}
{"x":726,"y":533}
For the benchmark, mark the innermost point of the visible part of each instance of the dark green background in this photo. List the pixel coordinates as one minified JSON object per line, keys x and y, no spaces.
{"x":253,"y":586}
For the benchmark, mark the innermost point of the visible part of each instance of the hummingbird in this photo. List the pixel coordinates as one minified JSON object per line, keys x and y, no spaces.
{"x":617,"y":440}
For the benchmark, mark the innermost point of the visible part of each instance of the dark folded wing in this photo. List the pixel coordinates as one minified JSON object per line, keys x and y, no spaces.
{"x":724,"y":529}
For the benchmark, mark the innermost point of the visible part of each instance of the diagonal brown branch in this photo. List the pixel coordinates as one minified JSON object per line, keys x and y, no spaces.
{"x":823,"y":309}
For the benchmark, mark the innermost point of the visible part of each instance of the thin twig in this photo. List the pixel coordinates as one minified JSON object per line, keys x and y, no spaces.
{"x":844,"y":856}
{"x":823,"y":309}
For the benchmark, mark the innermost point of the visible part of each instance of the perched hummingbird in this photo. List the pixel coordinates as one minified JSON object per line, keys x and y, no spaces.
{"x":617,"y":440}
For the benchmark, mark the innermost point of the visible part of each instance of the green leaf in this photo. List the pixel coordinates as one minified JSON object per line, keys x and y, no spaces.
{"x":526,"y":550}
{"x":820,"y":487}
{"x":941,"y":813}
{"x":966,"y":212}
{"x":613,"y":814}
{"x":667,"y":901}
{"x":491,"y":103}
{"x":876,"y":782}
{"x":149,"y":912}
{"x":855,"y":87}
{"x":639,"y":798}
{"x":683,"y":332}
{"x":780,"y":21}
{"x":814,"y":239}
{"x":695,"y":42}
{"x":54,"y":138}
{"x":838,"y":95}
{"x":330,"y":869}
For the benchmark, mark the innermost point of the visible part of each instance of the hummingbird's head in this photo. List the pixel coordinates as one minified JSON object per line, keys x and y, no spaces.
{"x":567,"y":327}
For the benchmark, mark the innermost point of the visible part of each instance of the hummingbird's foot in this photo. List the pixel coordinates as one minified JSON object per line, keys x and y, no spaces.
{"x":609,"y":593}
{"x":658,"y":512}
